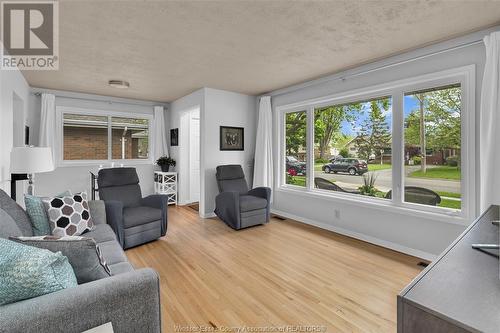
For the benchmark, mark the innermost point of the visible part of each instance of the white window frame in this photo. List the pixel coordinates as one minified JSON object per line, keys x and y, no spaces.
{"x":61,"y":110}
{"x":465,"y":76}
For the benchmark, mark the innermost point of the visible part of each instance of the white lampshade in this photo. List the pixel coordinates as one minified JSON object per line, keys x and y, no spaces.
{"x":31,"y":160}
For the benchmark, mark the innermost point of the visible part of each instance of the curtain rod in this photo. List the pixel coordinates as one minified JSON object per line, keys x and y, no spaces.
{"x":338,"y":77}
{"x":39,"y":93}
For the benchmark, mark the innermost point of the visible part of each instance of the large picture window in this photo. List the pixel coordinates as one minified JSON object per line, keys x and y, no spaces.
{"x":432,"y":142}
{"x":403,"y":144}
{"x":353,"y":148}
{"x":92,"y":137}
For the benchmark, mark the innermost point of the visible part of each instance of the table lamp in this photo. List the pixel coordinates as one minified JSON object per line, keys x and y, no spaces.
{"x":25,"y":162}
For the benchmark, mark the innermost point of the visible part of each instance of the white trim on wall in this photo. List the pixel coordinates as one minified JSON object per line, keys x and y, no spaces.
{"x":380,"y":242}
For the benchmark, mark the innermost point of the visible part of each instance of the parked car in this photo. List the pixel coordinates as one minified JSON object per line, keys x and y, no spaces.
{"x":294,"y":166}
{"x":353,"y":166}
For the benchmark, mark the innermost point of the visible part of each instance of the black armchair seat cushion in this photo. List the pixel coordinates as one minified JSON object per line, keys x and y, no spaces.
{"x":248,"y":203}
{"x":134,"y":216}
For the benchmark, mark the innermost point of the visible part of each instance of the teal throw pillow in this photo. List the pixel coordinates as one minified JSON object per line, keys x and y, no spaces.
{"x":27,"y":272}
{"x":38,"y":215}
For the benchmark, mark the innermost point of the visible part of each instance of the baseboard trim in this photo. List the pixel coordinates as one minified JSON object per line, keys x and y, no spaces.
{"x":360,"y":236}
{"x":208,"y":216}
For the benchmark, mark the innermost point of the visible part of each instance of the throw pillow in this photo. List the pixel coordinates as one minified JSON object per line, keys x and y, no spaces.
{"x":69,"y":215}
{"x":83,"y":254}
{"x":38,"y":216}
{"x":27,"y":272}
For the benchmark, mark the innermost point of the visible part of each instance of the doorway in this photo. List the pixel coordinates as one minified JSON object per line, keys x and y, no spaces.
{"x":189,"y":158}
{"x":194,"y":156}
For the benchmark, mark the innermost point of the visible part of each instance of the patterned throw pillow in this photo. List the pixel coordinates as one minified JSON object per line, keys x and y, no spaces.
{"x":28,"y":272}
{"x":69,"y":215}
{"x":38,"y":216}
{"x":83,"y":254}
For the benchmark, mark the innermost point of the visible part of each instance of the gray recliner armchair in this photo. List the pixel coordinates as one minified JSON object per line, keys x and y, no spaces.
{"x":134,"y":219}
{"x":236,"y":205}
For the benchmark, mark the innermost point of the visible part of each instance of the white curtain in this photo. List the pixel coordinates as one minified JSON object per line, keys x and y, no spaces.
{"x":159,"y":134}
{"x":490,"y":124}
{"x":263,"y":167}
{"x":48,"y":123}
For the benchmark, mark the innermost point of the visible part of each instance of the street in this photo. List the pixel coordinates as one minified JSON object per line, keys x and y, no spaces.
{"x":384,"y":181}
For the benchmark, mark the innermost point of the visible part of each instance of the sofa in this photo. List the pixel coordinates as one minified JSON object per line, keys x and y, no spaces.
{"x":129,"y":298}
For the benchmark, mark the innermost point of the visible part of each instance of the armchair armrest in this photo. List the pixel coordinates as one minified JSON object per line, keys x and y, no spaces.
{"x":261,"y":192}
{"x":227,"y":207}
{"x":114,"y":217}
{"x":159,"y":201}
{"x":265,"y":193}
{"x":130,"y":301}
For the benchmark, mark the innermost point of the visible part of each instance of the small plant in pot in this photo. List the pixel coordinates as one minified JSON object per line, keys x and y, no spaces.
{"x":165,"y":162}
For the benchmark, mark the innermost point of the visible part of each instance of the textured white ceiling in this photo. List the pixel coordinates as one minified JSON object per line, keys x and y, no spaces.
{"x":168,"y":49}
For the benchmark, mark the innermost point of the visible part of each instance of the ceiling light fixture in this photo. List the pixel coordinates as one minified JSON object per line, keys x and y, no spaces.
{"x":119,"y":84}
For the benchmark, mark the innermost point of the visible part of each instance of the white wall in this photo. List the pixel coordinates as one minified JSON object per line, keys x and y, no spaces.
{"x":77,"y":178}
{"x":225,"y":108}
{"x":12,"y":86}
{"x":424,"y":237}
{"x":178,"y":109}
{"x":217,"y":108}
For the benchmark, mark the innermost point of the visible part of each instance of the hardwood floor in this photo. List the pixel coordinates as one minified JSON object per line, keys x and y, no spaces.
{"x":283,"y":273}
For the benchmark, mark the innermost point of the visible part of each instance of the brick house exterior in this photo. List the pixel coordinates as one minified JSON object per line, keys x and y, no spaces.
{"x":91,"y":143}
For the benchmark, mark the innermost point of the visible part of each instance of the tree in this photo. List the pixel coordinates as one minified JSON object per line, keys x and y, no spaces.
{"x":295,"y":132}
{"x":374,"y":135}
{"x":423,"y":148}
{"x":435,"y":124}
{"x":328,"y":122}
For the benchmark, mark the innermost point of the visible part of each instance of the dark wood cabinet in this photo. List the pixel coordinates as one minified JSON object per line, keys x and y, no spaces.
{"x":459,"y":291}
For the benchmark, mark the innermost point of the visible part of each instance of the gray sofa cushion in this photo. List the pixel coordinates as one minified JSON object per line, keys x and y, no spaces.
{"x":248,"y":202}
{"x":134,"y":216}
{"x":101,"y":233}
{"x":82,"y":252}
{"x":120,"y":268}
{"x":17,"y":214}
{"x":112,"y":252}
{"x":98,"y":211}
{"x":8,"y":226}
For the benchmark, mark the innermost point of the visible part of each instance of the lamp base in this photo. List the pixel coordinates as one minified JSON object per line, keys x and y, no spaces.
{"x":31,"y":184}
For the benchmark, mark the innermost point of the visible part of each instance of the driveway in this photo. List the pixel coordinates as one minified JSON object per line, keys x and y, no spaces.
{"x":384,"y":181}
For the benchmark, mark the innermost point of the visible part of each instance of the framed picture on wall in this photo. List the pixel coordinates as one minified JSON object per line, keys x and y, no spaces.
{"x":232,"y":138}
{"x":174,"y":137}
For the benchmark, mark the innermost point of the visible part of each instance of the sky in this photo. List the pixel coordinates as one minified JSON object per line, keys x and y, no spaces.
{"x":410,"y":104}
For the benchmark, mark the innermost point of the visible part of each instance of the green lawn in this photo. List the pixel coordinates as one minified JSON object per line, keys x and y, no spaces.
{"x":449,"y":194}
{"x":298,"y":181}
{"x":377,"y":167}
{"x":448,"y":203}
{"x":441,"y":172}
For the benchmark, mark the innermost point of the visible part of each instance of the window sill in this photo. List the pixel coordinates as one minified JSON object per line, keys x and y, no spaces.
{"x":447,"y":216}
